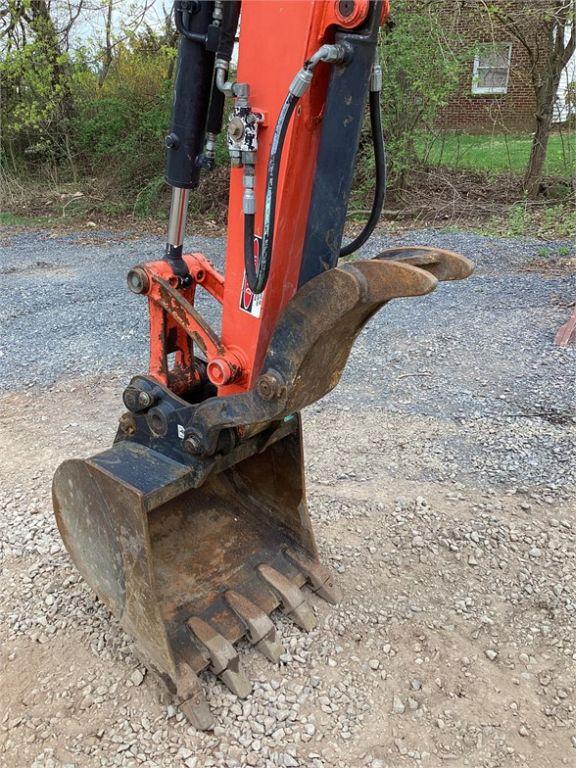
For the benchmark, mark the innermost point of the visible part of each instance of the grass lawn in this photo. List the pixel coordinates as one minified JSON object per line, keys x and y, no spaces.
{"x":497,"y":153}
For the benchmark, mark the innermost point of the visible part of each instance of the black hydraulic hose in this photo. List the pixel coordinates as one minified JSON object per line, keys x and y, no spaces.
{"x":249,"y":264}
{"x":215,"y":110}
{"x":257,"y":277}
{"x":231,"y":14}
{"x":381,"y":177}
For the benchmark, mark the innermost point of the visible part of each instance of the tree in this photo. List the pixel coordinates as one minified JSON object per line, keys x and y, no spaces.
{"x":547,"y":31}
{"x":132,"y":18}
{"x":421,"y":63}
{"x":35,"y":72}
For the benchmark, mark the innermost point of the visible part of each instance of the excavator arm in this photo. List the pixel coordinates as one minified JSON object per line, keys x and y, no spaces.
{"x":193,"y":527}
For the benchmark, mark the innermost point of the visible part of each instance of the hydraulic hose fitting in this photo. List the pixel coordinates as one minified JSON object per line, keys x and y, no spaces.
{"x":208,"y":157}
{"x":339,"y":53}
{"x":248,"y":199}
{"x":330,"y":54}
{"x":217,"y":14}
{"x":301,"y":82}
{"x":242,"y":93}
{"x":222,"y":83}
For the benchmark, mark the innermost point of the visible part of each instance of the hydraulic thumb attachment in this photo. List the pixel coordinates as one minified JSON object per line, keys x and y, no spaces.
{"x":193,"y":537}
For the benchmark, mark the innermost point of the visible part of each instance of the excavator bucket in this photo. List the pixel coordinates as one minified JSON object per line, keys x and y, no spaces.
{"x":190,"y":570}
{"x":193,"y":551}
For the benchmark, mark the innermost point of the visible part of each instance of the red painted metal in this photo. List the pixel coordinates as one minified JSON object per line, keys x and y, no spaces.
{"x":175,"y":326}
{"x":268,"y":65}
{"x":303,"y":26}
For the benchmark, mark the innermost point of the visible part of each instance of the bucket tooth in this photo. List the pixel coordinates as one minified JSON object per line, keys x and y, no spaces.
{"x":270,"y":647}
{"x":261,"y":630}
{"x":320,"y":578}
{"x":193,"y":701}
{"x":225,"y":661}
{"x":236,"y":681}
{"x":294,"y":603}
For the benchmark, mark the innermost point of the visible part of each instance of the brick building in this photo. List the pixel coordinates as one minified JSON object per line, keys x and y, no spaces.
{"x":495,"y":91}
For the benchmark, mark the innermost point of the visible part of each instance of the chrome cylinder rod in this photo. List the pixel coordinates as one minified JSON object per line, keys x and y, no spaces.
{"x":177,"y":218}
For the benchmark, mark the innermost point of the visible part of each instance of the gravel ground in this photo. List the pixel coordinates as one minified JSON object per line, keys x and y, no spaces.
{"x":441,"y":482}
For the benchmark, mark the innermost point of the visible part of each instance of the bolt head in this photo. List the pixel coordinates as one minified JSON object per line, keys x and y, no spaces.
{"x":145,"y":399}
{"x":171,"y":141}
{"x":192,"y":445}
{"x":269,"y":386}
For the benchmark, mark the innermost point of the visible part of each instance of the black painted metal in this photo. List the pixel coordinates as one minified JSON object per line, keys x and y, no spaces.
{"x":343,"y":114}
{"x":191,"y":100}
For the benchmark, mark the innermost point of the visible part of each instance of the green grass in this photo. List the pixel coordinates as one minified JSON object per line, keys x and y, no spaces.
{"x":15,"y":220}
{"x":497,"y":154}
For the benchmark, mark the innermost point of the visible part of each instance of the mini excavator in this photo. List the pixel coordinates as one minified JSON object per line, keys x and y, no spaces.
{"x":193,"y":527}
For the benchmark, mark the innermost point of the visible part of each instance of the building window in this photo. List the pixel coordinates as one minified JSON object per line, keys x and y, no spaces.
{"x":492,"y":69}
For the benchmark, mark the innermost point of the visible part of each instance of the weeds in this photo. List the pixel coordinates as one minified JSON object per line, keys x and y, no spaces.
{"x":147,"y":200}
{"x":555,"y":222}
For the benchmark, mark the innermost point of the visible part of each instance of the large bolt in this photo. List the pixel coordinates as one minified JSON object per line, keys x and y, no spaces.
{"x":145,"y":400}
{"x":220,"y":372}
{"x":172,"y":141}
{"x":269,"y":386}
{"x":137,"y":400}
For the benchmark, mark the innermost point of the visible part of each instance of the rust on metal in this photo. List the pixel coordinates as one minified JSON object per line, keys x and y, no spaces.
{"x":443,"y":264}
{"x":183,"y":311}
{"x":261,"y":630}
{"x":321,"y":580}
{"x":224,"y":660}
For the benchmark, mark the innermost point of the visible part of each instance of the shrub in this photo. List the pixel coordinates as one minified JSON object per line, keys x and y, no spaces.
{"x":420,"y":72}
{"x":120,"y":126}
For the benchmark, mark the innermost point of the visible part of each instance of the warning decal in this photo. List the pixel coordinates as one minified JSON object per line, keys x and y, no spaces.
{"x":252,"y":302}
